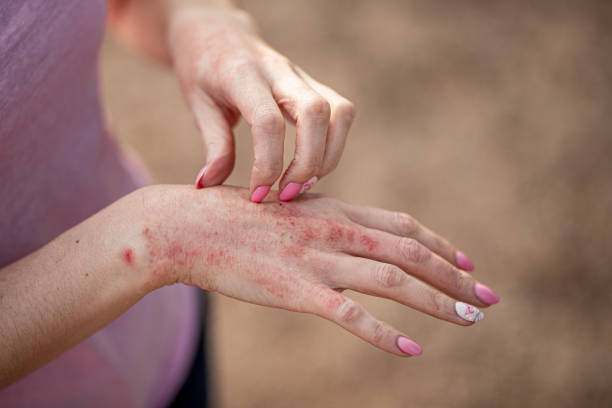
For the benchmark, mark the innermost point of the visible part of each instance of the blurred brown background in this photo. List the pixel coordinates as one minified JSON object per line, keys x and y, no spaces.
{"x":489,"y":122}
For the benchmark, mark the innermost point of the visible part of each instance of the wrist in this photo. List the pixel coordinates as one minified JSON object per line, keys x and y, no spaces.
{"x":122,"y":227}
{"x":205,"y":16}
{"x":170,"y":244}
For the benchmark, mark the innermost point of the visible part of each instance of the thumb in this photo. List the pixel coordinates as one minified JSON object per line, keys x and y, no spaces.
{"x":218,"y":140}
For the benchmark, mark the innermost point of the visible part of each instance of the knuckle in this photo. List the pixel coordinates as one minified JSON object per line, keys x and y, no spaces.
{"x":349,"y":311}
{"x":310,"y":168}
{"x":245,"y":18}
{"x":388,"y":276}
{"x":269,"y":119}
{"x":378,"y":333}
{"x":328,"y":167}
{"x":413,"y":251}
{"x":437,"y":301}
{"x":330,"y":162}
{"x":407,"y":225}
{"x":233,"y":67}
{"x":317,"y":109}
{"x":268,"y":170}
{"x":346,"y":110}
{"x":304,"y":166}
{"x":459,"y":282}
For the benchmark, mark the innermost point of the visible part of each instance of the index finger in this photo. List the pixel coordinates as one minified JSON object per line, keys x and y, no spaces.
{"x":252,"y":95}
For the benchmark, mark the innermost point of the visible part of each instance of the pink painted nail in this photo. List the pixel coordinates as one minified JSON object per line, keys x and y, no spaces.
{"x":260,"y":193}
{"x":199,"y":177}
{"x":486,"y":294}
{"x":408,"y":346}
{"x":463,"y":261}
{"x":308,"y":185}
{"x":290,"y":191}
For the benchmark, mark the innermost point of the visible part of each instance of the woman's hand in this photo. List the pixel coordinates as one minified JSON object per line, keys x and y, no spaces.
{"x":227,"y":71}
{"x":299,"y":256}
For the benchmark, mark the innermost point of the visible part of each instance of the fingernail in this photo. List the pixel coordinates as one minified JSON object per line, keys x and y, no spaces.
{"x":308,"y":185}
{"x":198,"y":181}
{"x":463,"y":261}
{"x":485,"y":294}
{"x":408,"y":346}
{"x":290,"y":191}
{"x":260,"y":193}
{"x":468,"y":312}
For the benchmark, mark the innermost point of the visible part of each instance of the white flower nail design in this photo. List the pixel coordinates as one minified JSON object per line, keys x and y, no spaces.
{"x":468,"y":312}
{"x":308,"y":185}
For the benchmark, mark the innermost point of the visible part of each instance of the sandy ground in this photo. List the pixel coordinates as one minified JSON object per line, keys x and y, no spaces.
{"x":489,"y":122}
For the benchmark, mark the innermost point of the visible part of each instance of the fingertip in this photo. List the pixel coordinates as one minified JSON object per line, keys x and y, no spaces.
{"x":215,"y":171}
{"x":485,"y":294}
{"x":200,"y":177}
{"x":260,"y":193}
{"x":290,"y":191}
{"x":408,"y":346}
{"x":308,"y":185}
{"x":463,"y":261}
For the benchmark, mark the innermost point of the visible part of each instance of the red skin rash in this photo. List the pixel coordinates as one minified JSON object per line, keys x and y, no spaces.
{"x":128,"y":256}
{"x":175,"y":252}
{"x":368,"y":242}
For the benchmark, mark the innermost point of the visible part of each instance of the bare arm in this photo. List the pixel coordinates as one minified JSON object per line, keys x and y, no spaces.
{"x":143,"y":24}
{"x":297,"y":256}
{"x":60,"y":294}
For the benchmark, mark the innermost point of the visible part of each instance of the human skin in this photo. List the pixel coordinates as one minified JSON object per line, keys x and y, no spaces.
{"x":297,"y":256}
{"x":226,"y":71}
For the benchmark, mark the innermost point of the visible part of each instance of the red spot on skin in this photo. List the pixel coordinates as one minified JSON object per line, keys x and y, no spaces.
{"x":368,"y":242}
{"x":294,"y":251}
{"x":128,"y":256}
{"x":309,"y":234}
{"x":175,"y":253}
{"x":351,"y":236}
{"x":336,"y":234}
{"x":334,"y":301}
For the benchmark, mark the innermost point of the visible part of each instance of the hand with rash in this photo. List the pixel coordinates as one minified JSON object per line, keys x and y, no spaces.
{"x":301,"y":255}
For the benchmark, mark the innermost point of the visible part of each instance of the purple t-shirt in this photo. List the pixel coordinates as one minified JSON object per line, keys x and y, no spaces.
{"x":58,"y":166}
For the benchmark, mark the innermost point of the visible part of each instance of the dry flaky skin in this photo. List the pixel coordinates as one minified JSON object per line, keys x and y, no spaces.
{"x":298,"y":256}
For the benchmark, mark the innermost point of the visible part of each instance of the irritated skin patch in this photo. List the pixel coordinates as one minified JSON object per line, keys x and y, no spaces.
{"x":262,"y":247}
{"x":128,"y":256}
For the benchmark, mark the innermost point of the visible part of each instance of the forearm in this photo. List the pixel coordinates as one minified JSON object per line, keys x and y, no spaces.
{"x":143,"y":24}
{"x":62,"y":293}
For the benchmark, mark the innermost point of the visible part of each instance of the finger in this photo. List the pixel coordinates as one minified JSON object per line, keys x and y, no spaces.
{"x":218,"y":141}
{"x":389,"y":281}
{"x":416,"y":259}
{"x":341,"y":118}
{"x":406,"y":226}
{"x":311,"y":113}
{"x":252,"y":96}
{"x":351,"y":316}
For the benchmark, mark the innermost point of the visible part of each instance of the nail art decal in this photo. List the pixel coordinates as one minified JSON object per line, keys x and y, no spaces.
{"x":308,"y":185}
{"x":468,"y":312}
